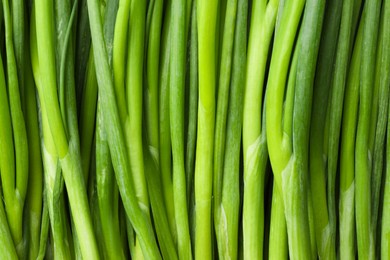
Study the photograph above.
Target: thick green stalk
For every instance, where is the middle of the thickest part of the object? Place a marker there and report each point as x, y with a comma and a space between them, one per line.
347, 159
221, 118
176, 109
254, 137
326, 246
230, 190
363, 166
207, 23
116, 139
15, 188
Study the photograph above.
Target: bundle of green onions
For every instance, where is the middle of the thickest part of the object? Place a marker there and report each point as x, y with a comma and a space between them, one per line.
195, 129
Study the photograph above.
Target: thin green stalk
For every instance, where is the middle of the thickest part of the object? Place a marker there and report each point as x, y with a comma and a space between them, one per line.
347, 159
15, 185
164, 121
116, 138
134, 83
35, 184
336, 101
365, 236
254, 134
88, 114
192, 89
385, 79
6, 157
221, 118
207, 23
107, 194
152, 79
382, 80
176, 110
230, 190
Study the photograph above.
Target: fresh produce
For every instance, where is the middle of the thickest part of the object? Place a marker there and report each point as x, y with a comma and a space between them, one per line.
194, 129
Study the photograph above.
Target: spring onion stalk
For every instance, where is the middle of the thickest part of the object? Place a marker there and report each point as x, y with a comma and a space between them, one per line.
336, 101
116, 138
385, 79
34, 199
87, 114
152, 80
15, 175
164, 121
291, 168
279, 143
254, 135
347, 159
66, 151
230, 190
192, 118
278, 248
220, 125
82, 51
308, 47
107, 194
207, 23
176, 109
7, 245
54, 198
325, 244
382, 82
365, 236
164, 236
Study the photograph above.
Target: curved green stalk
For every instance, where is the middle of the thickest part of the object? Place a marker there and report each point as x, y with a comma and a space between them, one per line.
365, 236
254, 137
347, 159
50, 162
176, 109
15, 184
325, 244
207, 19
